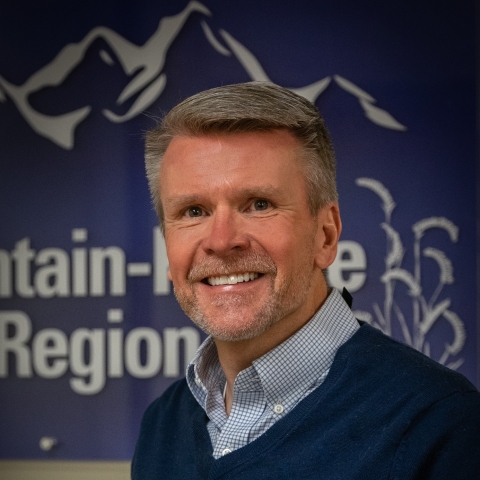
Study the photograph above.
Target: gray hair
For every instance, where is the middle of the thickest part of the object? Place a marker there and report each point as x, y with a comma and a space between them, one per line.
249, 107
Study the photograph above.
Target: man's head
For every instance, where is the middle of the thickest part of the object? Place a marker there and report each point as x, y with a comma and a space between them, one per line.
247, 229
249, 107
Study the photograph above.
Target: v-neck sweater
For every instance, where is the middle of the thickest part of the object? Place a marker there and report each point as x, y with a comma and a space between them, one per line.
384, 411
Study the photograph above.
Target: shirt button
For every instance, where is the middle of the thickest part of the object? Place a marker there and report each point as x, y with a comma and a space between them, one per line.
278, 408
197, 381
225, 451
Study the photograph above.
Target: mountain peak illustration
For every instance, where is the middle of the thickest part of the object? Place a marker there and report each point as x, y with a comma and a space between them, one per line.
144, 65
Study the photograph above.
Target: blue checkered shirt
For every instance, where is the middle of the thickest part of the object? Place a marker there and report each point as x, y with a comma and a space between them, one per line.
275, 383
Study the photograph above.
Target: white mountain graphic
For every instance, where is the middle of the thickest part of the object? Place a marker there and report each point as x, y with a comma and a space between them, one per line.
144, 63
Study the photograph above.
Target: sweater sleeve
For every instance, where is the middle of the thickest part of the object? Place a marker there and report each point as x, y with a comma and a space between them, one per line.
443, 442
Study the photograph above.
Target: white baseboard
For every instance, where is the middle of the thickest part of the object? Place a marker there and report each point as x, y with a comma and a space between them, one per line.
63, 470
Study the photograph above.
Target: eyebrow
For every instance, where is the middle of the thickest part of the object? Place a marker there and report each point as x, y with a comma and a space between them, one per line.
178, 201
181, 200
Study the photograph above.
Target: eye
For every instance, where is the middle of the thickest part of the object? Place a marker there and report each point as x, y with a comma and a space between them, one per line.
194, 212
260, 204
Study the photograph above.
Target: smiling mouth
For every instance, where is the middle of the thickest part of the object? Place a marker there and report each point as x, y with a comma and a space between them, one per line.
232, 279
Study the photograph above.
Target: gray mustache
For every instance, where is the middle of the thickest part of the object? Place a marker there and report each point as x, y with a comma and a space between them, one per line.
215, 266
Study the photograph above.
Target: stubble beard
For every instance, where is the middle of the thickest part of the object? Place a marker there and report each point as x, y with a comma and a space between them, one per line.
289, 294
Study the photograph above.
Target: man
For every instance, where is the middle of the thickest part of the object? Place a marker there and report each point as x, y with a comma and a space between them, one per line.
287, 385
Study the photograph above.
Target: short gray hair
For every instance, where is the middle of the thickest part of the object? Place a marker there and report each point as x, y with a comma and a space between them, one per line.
249, 107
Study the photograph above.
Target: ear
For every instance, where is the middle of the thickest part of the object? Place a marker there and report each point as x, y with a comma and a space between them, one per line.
328, 233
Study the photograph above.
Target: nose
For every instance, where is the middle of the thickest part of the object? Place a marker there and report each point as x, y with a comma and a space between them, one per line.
226, 234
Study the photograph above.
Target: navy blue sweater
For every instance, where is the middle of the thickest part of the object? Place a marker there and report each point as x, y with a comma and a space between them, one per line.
384, 411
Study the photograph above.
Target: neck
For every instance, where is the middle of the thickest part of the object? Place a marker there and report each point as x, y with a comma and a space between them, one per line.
235, 356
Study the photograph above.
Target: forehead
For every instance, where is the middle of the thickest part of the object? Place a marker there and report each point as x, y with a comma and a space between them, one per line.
244, 157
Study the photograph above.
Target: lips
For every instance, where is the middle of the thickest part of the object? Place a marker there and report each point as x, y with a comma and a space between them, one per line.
232, 279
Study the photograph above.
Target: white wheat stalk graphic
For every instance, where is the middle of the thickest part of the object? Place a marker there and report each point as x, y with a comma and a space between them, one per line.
422, 226
395, 255
419, 230
425, 314
446, 270
375, 186
394, 249
458, 339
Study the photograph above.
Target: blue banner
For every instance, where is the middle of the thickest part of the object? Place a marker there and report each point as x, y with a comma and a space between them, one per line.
90, 332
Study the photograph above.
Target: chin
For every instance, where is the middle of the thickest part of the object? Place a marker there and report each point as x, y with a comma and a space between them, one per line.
242, 315
232, 326
230, 317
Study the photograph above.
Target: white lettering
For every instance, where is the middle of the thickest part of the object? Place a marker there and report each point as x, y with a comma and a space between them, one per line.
115, 353
16, 343
87, 343
96, 271
5, 274
172, 337
161, 283
153, 352
351, 260
92, 355
23, 254
79, 272
52, 279
50, 344
116, 260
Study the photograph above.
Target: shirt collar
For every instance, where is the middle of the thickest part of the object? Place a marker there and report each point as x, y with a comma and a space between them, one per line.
290, 369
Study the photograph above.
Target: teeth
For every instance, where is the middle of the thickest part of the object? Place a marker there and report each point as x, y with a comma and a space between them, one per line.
232, 279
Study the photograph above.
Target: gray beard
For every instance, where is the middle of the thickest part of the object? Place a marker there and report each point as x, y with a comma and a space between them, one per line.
268, 315
289, 296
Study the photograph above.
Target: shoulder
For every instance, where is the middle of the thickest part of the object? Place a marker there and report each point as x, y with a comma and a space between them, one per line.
429, 413
384, 359
372, 369
443, 441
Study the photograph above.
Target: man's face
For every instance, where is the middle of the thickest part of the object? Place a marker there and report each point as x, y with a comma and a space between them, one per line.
243, 248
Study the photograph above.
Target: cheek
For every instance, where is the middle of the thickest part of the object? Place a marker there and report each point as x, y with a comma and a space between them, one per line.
292, 252
282, 249
178, 259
